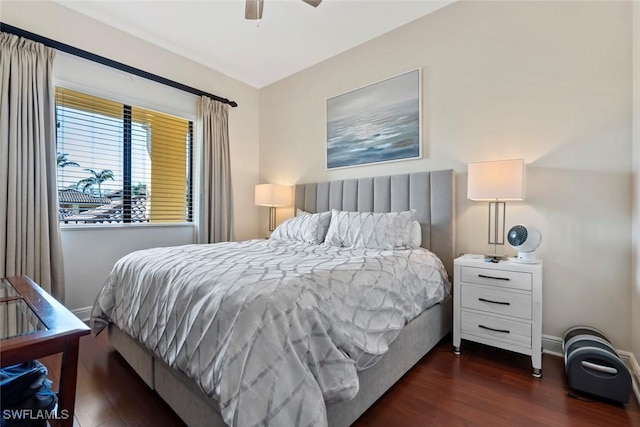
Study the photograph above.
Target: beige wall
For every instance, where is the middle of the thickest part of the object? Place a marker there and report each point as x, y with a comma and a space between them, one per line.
86, 267
549, 82
635, 289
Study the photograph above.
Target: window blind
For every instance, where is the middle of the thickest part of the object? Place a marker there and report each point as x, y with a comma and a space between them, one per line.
119, 163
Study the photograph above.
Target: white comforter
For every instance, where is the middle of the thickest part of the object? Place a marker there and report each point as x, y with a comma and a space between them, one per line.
270, 329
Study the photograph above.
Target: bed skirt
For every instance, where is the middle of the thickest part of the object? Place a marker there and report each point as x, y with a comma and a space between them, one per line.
197, 410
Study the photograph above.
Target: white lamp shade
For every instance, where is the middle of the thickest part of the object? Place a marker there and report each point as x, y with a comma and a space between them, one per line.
273, 195
498, 180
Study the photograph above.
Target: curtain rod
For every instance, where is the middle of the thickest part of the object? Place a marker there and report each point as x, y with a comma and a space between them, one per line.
108, 62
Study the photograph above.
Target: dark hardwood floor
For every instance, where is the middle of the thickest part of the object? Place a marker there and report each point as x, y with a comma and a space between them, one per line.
481, 387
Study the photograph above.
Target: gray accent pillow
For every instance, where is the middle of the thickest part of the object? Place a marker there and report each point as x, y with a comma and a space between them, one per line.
310, 228
389, 230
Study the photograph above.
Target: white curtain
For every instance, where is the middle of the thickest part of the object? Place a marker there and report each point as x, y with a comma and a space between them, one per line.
29, 229
216, 206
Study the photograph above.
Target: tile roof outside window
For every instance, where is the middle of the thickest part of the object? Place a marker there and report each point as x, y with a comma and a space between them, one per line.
75, 196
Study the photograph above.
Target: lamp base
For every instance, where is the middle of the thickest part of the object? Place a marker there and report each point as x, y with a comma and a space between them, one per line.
272, 218
497, 222
494, 258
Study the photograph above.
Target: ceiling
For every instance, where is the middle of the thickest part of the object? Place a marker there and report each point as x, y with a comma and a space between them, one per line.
290, 37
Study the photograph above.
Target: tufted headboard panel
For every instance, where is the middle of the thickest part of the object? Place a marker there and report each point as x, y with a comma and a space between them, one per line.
430, 193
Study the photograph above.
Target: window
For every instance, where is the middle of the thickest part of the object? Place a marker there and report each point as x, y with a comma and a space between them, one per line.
120, 163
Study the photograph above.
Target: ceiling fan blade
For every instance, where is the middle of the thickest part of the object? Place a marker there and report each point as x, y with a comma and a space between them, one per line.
253, 9
313, 3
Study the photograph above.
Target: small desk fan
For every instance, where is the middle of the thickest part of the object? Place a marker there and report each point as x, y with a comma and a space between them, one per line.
525, 240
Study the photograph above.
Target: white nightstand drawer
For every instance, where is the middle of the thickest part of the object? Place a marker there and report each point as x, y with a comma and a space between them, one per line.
496, 301
505, 278
496, 329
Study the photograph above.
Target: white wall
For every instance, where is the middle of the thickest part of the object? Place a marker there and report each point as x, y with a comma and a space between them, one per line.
89, 255
549, 82
635, 288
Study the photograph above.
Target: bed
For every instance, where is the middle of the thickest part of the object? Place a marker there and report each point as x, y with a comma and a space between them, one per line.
190, 394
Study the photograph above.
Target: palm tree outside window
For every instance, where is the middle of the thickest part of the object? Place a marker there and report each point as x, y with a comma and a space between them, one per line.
96, 179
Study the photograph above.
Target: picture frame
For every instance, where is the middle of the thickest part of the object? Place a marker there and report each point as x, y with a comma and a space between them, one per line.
377, 123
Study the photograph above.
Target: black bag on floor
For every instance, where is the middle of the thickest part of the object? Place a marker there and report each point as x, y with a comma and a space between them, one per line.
27, 398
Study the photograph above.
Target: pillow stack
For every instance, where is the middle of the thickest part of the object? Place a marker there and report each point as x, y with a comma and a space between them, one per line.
390, 230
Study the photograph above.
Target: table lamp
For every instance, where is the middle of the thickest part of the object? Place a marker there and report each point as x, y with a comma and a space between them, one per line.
496, 182
272, 195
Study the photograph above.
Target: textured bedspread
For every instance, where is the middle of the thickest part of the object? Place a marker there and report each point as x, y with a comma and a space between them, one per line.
270, 329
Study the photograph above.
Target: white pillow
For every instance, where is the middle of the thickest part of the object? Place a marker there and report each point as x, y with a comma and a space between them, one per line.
389, 230
310, 228
300, 212
415, 235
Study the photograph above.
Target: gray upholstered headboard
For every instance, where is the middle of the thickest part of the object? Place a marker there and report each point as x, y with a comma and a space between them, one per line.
430, 193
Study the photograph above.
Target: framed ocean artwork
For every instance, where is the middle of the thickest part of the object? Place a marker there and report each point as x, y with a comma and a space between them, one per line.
381, 122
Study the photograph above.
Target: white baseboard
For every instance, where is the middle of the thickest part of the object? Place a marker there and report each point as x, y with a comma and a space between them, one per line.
83, 313
553, 346
635, 375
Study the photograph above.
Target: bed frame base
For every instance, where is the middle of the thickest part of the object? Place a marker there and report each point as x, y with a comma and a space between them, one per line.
196, 409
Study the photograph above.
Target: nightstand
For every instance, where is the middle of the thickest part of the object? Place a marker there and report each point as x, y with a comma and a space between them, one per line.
499, 304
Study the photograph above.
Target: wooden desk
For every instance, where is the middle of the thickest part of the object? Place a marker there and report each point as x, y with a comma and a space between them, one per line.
59, 332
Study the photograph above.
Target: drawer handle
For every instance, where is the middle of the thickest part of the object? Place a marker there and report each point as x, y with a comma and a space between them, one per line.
504, 331
494, 302
492, 277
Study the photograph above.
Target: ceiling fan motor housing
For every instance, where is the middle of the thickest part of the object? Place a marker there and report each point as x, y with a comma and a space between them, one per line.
253, 8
